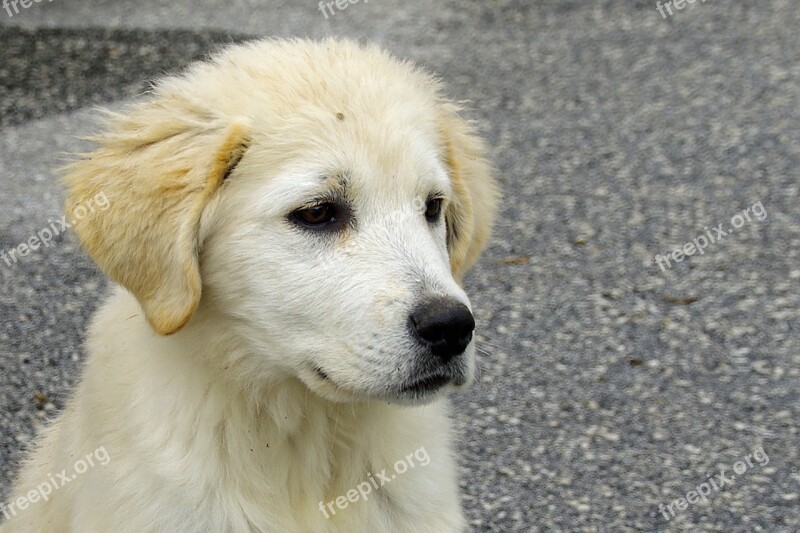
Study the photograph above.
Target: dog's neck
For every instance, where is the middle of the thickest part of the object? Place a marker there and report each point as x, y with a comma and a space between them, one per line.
258, 429
272, 446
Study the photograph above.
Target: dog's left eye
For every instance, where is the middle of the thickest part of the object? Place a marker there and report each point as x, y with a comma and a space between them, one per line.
317, 216
433, 209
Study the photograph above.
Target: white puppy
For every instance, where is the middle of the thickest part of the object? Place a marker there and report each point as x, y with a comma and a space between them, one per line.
290, 222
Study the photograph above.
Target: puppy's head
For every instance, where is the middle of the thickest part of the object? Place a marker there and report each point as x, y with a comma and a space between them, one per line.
317, 202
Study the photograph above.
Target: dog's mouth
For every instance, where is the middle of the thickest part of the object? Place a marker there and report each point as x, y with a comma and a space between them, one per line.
420, 387
426, 385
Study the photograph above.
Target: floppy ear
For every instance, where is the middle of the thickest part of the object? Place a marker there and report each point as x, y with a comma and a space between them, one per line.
158, 164
470, 214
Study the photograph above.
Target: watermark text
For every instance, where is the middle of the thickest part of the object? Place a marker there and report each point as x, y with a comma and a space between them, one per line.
43, 491
363, 490
717, 482
699, 244
44, 237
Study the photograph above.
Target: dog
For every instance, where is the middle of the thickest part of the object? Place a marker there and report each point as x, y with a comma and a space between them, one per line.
288, 228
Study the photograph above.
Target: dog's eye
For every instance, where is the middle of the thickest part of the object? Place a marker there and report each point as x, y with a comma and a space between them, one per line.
433, 209
316, 215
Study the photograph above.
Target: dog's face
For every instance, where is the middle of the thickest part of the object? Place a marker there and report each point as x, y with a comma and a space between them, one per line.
329, 231
335, 260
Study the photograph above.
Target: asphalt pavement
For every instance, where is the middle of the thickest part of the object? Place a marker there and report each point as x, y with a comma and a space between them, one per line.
612, 382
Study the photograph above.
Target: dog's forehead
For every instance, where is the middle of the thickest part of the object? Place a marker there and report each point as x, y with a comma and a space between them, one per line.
359, 114
359, 181
361, 157
410, 164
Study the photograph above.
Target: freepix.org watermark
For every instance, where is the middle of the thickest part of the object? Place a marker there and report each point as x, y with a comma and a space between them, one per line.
340, 5
43, 491
363, 490
45, 236
717, 482
679, 5
699, 244
16, 4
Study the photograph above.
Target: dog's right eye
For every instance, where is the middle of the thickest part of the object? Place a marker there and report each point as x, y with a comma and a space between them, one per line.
317, 216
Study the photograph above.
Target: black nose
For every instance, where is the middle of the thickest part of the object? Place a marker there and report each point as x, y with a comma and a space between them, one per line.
444, 325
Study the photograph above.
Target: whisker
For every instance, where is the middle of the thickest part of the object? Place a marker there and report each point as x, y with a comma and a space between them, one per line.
489, 344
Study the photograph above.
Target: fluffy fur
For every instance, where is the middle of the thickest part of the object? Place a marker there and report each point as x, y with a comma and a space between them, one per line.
246, 369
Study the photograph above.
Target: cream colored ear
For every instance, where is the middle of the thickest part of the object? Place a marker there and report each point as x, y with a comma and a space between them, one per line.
471, 212
158, 166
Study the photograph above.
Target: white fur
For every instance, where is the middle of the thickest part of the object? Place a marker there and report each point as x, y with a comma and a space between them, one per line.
226, 425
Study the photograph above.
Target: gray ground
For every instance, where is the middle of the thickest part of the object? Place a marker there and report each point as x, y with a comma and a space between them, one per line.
608, 386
